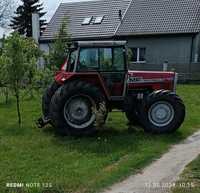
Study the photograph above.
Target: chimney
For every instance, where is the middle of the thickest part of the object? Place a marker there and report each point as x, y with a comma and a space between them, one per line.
36, 26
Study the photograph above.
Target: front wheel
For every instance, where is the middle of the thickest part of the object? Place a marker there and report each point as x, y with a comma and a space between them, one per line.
162, 112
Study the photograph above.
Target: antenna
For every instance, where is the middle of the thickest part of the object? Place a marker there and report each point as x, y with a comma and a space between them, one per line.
120, 14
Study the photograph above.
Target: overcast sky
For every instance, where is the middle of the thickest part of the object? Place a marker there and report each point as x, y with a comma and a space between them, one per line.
51, 6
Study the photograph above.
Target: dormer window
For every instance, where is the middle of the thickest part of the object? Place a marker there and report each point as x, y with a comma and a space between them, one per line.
87, 21
99, 20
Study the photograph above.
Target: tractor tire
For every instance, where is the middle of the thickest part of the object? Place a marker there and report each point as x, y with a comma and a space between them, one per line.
162, 112
46, 99
131, 111
72, 108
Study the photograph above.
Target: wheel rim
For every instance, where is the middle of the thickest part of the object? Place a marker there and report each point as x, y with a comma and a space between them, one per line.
78, 111
161, 113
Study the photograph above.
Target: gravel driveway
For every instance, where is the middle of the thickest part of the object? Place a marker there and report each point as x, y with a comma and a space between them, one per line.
161, 175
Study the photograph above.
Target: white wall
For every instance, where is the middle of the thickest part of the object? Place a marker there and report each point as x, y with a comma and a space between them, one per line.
44, 47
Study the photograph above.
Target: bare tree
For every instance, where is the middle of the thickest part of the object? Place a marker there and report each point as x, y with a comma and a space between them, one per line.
6, 11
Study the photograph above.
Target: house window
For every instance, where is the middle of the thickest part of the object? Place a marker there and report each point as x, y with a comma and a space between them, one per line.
138, 55
87, 21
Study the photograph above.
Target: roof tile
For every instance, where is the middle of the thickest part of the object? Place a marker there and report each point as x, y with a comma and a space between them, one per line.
139, 17
76, 12
161, 16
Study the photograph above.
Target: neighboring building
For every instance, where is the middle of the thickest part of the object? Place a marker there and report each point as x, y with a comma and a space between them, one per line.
157, 31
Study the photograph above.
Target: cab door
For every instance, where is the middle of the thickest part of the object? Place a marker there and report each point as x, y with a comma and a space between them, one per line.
113, 69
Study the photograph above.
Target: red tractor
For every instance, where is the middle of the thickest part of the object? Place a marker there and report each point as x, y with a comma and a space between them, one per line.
96, 72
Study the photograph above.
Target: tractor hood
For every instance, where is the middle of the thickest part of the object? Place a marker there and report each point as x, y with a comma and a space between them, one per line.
151, 75
152, 79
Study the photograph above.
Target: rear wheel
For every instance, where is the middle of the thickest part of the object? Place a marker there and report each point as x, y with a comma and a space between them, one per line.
163, 112
72, 108
78, 111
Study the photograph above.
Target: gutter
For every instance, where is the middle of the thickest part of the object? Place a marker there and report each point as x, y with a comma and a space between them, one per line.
50, 40
153, 33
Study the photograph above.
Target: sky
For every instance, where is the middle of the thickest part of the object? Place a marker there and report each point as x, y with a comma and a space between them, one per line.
51, 6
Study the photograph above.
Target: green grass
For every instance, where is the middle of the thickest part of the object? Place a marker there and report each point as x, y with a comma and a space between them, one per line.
190, 179
31, 155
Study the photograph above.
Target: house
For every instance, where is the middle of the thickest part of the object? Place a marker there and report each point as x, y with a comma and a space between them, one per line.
157, 31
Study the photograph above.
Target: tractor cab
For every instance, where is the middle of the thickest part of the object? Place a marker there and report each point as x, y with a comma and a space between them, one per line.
107, 58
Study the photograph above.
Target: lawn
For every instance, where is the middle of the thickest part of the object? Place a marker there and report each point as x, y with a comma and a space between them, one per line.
30, 155
190, 179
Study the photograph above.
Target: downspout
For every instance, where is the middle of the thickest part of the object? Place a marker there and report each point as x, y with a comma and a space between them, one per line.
191, 54
195, 50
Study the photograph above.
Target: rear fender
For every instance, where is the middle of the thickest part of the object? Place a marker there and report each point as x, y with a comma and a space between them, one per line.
92, 78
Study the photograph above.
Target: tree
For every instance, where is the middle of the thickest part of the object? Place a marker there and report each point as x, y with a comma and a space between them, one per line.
53, 60
22, 22
60, 48
6, 10
3, 86
19, 58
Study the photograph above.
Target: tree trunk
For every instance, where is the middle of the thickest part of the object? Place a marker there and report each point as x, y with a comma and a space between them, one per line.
18, 107
31, 85
6, 95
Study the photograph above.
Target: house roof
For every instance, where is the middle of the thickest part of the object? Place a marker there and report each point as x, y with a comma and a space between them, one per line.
161, 16
138, 17
78, 11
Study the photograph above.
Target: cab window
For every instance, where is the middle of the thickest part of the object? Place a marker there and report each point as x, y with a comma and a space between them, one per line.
88, 59
106, 59
118, 59
112, 59
72, 59
101, 59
